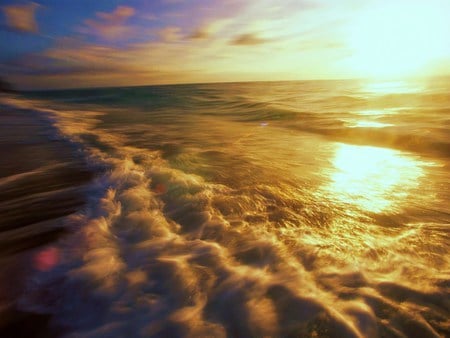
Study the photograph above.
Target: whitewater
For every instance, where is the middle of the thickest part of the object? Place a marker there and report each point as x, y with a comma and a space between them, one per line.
266, 209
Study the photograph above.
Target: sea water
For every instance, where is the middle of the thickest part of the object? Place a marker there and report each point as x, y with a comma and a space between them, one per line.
306, 209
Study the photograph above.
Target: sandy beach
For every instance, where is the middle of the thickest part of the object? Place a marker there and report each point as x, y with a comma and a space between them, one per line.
41, 182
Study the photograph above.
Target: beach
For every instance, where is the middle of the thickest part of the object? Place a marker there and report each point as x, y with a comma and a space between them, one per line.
41, 182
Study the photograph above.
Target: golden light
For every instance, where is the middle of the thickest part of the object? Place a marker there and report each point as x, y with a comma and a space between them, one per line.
376, 112
399, 38
371, 178
370, 124
393, 87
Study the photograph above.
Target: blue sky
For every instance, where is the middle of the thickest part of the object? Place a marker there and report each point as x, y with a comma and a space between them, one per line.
83, 43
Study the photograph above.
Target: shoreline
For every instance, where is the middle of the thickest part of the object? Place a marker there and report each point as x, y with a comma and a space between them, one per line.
42, 180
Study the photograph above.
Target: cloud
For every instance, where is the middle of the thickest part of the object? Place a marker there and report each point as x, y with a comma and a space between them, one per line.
282, 46
170, 34
76, 63
21, 17
248, 40
199, 34
110, 26
210, 29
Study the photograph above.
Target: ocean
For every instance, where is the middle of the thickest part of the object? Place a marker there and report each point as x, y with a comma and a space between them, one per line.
259, 209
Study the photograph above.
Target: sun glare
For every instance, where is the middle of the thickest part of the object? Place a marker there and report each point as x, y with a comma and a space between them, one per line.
393, 87
371, 178
370, 124
398, 38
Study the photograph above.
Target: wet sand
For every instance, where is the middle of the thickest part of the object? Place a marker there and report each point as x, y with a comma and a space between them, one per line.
42, 180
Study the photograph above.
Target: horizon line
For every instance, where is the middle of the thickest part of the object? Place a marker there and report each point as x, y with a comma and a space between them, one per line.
416, 78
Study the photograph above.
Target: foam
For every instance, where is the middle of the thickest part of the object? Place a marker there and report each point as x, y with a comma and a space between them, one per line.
160, 252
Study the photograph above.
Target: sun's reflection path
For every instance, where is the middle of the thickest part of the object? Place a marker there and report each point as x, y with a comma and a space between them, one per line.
392, 87
377, 112
370, 124
372, 179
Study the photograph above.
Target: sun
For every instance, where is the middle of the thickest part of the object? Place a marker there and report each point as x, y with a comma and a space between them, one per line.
398, 38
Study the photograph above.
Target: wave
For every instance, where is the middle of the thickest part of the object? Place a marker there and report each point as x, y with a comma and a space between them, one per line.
430, 142
162, 252
417, 130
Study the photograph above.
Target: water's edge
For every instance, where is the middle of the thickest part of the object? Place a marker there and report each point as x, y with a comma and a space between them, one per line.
43, 180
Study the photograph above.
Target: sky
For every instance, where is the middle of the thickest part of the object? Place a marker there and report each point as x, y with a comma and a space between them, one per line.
96, 43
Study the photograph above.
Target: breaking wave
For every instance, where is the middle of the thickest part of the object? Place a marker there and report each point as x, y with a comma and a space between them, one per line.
246, 252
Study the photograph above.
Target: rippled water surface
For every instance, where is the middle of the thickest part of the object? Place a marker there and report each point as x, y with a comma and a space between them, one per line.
303, 209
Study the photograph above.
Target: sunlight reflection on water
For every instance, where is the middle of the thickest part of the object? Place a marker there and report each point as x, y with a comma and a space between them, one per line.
393, 87
371, 178
370, 124
377, 112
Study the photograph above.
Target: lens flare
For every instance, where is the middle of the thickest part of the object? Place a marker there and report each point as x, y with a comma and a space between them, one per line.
46, 259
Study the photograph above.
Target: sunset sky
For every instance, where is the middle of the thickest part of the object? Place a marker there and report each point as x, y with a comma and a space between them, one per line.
85, 43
